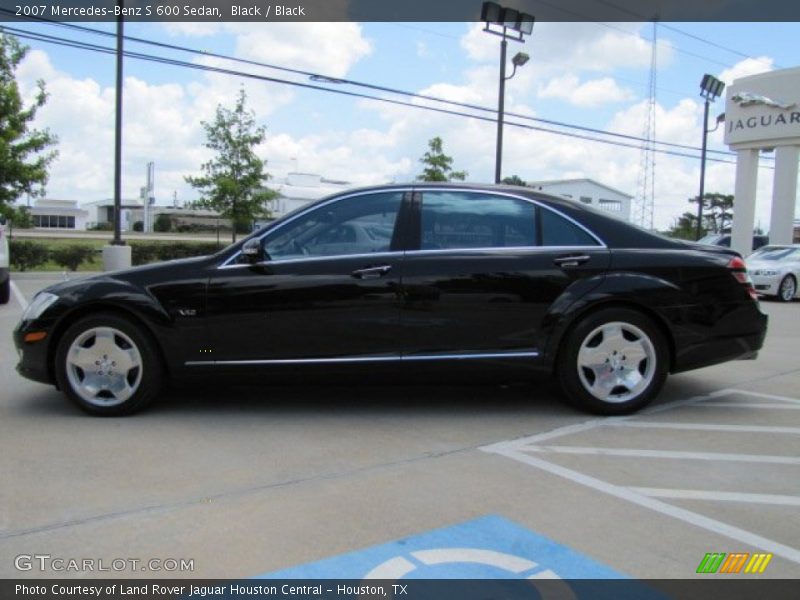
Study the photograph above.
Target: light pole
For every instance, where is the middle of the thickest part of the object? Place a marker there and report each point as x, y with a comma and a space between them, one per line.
710, 89
509, 24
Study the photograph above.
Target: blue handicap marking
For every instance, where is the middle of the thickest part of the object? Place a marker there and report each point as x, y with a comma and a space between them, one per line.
489, 547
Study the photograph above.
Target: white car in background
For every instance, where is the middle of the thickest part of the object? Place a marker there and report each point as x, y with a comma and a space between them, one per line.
5, 281
775, 271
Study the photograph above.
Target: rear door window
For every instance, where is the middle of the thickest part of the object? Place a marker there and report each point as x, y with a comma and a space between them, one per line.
463, 220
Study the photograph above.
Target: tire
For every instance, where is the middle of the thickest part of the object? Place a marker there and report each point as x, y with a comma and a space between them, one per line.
613, 362
5, 291
108, 365
787, 289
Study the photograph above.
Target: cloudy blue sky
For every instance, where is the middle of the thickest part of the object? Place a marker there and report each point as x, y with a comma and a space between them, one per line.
588, 74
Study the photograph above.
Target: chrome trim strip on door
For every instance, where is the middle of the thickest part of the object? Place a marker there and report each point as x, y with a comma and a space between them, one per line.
360, 359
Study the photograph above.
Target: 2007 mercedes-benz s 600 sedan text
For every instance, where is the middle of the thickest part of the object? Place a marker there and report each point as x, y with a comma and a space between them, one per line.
415, 278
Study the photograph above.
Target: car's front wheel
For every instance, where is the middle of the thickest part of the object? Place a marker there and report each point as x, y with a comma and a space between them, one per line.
5, 291
787, 289
107, 365
613, 362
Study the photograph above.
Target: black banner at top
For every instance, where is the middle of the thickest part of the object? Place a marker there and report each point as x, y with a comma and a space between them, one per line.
396, 10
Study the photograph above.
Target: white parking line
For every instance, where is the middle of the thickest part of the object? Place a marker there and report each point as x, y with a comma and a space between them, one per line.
646, 497
671, 454
18, 295
687, 516
708, 427
597, 422
749, 405
769, 396
719, 496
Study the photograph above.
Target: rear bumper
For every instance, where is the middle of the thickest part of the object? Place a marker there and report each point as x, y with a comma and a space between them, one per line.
721, 349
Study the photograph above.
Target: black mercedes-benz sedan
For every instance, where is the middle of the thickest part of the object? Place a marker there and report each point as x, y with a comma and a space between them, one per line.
405, 278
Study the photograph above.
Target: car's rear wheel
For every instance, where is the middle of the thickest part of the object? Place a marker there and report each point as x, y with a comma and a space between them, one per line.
614, 362
787, 289
108, 366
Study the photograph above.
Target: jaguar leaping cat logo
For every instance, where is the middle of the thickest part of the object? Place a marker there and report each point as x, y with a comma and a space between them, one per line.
750, 99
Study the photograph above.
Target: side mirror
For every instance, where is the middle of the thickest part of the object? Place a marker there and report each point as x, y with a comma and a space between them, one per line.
251, 250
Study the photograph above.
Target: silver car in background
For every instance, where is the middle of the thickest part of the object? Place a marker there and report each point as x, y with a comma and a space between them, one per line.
775, 271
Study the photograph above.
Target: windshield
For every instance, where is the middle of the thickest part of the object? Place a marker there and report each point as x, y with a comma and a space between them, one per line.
777, 253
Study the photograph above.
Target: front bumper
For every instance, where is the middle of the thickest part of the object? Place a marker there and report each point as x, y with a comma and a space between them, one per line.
33, 356
766, 285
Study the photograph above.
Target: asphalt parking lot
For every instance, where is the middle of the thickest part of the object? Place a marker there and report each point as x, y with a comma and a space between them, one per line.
252, 481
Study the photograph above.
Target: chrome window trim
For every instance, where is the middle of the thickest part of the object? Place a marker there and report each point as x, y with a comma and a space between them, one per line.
399, 253
284, 261
503, 249
282, 224
361, 359
423, 189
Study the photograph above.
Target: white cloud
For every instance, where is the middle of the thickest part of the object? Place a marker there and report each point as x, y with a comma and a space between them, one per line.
748, 66
328, 48
588, 46
586, 94
162, 122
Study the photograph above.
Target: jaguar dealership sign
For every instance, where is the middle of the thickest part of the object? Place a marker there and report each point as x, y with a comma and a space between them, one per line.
763, 109
762, 112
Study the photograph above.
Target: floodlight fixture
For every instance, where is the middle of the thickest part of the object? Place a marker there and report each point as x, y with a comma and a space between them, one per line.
711, 88
506, 22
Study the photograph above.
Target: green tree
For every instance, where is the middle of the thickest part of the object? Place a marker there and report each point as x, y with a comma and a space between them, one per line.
717, 211
233, 181
514, 180
24, 154
684, 227
163, 223
438, 166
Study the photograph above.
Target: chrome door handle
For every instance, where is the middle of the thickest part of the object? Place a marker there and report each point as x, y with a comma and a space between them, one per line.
573, 260
371, 272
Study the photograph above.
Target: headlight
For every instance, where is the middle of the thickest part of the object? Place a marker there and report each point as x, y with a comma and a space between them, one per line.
41, 303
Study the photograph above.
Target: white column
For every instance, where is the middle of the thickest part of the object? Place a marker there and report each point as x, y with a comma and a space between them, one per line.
744, 208
783, 195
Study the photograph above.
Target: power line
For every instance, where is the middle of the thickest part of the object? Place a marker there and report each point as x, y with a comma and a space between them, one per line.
45, 38
323, 78
639, 17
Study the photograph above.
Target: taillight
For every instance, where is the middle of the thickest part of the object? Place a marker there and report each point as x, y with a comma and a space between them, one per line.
738, 269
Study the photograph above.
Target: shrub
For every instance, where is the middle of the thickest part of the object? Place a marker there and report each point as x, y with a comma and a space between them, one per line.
101, 227
163, 223
26, 254
72, 256
144, 252
138, 226
147, 252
